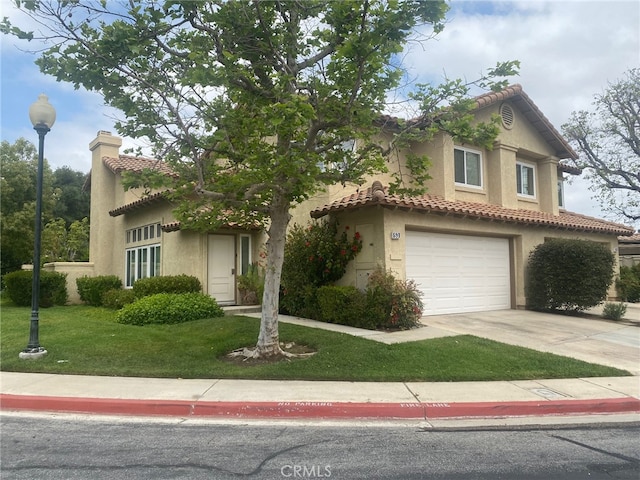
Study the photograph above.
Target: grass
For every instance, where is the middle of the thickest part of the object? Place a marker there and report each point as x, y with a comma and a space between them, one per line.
87, 340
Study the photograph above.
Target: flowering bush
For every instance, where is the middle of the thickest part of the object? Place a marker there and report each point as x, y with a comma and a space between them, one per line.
393, 303
314, 256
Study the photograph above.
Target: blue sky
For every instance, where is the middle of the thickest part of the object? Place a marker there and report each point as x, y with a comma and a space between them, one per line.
569, 51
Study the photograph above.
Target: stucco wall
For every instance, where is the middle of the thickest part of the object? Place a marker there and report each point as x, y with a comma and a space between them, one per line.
73, 270
389, 253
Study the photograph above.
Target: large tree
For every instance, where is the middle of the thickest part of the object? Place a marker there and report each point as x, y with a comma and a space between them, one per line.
18, 167
608, 142
252, 102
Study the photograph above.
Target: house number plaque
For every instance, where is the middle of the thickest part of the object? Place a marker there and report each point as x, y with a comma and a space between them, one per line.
395, 235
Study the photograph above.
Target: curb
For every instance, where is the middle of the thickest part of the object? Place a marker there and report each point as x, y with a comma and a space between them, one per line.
317, 410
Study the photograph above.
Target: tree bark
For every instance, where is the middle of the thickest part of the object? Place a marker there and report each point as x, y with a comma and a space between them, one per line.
268, 340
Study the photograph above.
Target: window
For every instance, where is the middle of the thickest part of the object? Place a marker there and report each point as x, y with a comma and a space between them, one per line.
140, 234
142, 262
245, 253
560, 192
525, 179
468, 167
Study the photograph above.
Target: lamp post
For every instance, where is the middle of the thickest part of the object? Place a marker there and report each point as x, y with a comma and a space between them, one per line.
42, 116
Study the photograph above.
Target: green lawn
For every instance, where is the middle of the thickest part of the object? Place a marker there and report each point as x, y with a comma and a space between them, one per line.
86, 340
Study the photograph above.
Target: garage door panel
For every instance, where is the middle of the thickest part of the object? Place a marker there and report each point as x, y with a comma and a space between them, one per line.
458, 273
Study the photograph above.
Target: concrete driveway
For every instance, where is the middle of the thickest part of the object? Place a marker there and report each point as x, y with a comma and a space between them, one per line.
591, 339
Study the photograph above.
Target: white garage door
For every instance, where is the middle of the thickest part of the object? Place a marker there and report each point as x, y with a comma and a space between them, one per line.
458, 273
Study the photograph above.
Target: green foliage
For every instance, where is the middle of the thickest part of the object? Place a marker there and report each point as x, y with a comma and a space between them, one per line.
276, 88
388, 303
63, 239
118, 298
167, 284
567, 274
315, 255
62, 244
251, 285
614, 311
53, 288
628, 284
343, 305
92, 289
166, 308
19, 166
393, 303
72, 201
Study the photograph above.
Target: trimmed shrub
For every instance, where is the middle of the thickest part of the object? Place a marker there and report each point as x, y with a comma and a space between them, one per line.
566, 274
614, 311
92, 289
343, 305
53, 288
168, 284
118, 298
168, 308
393, 303
628, 285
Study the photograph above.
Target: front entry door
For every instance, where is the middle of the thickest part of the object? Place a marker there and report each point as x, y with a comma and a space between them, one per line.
221, 268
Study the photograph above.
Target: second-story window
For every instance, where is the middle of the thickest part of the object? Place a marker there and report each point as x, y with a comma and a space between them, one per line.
468, 167
560, 192
525, 179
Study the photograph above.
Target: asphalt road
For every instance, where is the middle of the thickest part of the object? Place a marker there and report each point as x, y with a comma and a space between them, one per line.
65, 447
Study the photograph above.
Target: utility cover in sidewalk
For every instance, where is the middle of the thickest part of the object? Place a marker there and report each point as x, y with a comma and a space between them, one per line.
548, 393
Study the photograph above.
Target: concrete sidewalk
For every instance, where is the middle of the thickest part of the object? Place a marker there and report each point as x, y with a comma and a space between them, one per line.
611, 343
267, 399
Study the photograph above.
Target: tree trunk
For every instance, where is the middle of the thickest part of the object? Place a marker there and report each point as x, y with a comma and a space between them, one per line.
268, 339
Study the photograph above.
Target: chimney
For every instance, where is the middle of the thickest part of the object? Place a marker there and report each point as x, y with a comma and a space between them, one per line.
103, 199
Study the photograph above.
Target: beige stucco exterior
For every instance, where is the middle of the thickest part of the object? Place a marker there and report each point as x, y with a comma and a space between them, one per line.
186, 252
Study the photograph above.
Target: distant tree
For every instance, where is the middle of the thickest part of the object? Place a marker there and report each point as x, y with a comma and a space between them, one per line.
608, 141
62, 197
253, 102
18, 169
72, 203
65, 244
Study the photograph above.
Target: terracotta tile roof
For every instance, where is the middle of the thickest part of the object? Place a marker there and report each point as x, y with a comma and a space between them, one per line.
142, 202
130, 163
523, 102
532, 113
635, 238
378, 195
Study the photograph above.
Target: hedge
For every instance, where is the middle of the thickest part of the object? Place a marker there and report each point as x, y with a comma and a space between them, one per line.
166, 308
568, 274
92, 289
53, 288
167, 284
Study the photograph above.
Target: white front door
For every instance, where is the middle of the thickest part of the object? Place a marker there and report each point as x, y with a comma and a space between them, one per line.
222, 268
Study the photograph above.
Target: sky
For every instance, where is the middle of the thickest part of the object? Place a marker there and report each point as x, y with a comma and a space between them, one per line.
569, 51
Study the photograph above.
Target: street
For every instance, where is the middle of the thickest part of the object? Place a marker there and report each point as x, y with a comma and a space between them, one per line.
82, 447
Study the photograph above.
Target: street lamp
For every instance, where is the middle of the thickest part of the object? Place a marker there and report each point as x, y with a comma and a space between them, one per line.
42, 116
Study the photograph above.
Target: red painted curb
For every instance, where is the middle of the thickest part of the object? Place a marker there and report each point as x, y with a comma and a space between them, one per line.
318, 410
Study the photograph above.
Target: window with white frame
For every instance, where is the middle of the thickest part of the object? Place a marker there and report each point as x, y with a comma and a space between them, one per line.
525, 179
560, 192
468, 167
141, 262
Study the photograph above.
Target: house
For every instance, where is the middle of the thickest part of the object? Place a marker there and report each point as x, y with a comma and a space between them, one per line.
466, 242
629, 250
